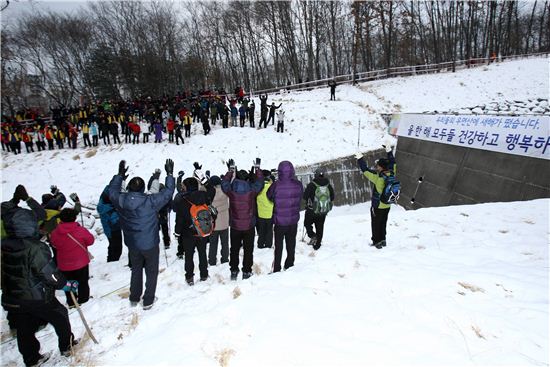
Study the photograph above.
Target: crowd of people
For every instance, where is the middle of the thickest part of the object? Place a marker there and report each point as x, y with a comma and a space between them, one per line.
135, 121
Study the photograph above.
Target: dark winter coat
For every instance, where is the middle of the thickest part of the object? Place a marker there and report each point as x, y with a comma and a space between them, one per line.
286, 194
28, 274
242, 200
139, 212
182, 205
309, 193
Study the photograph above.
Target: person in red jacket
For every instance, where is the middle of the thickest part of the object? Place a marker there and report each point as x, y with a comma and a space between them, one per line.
170, 128
71, 241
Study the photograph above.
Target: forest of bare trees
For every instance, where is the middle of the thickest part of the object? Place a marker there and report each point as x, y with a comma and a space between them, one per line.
124, 49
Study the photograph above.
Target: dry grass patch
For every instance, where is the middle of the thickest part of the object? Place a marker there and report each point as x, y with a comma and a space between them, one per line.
477, 330
76, 157
471, 287
90, 153
237, 292
256, 269
223, 356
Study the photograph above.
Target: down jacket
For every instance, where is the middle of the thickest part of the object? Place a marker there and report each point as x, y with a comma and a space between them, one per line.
286, 194
221, 203
242, 200
139, 213
71, 255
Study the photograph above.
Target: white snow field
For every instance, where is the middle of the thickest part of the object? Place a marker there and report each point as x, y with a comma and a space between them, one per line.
462, 285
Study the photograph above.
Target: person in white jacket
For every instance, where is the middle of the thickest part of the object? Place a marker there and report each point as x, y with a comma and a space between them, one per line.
144, 127
221, 231
281, 121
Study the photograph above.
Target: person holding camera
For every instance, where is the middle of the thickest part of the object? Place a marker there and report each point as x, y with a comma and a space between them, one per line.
139, 222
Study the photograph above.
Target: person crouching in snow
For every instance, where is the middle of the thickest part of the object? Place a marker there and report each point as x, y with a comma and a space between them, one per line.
281, 121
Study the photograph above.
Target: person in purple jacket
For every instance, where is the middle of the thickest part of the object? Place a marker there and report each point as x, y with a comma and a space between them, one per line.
158, 131
242, 191
286, 195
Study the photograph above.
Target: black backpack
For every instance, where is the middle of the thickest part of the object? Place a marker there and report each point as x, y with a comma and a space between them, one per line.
392, 189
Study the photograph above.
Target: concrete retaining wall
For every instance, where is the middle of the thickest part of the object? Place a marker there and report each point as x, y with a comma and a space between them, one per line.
455, 175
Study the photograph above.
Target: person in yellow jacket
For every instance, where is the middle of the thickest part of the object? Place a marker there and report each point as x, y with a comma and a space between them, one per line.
264, 224
379, 210
187, 124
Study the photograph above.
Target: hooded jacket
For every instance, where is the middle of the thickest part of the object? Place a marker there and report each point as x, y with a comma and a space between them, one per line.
242, 200
221, 203
377, 179
139, 212
309, 193
70, 255
286, 194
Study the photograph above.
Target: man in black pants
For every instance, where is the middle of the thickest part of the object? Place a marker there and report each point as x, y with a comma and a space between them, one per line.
379, 210
139, 222
332, 85
319, 196
271, 117
29, 280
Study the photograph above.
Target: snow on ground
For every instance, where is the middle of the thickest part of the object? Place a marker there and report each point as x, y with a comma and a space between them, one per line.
464, 285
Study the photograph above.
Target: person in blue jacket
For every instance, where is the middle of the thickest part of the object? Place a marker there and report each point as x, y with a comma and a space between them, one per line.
139, 222
111, 225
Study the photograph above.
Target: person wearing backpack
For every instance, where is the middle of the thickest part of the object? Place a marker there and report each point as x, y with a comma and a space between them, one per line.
286, 195
264, 223
318, 196
384, 169
242, 219
73, 258
194, 222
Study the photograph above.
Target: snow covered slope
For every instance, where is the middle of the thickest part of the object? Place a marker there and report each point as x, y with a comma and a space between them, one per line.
465, 285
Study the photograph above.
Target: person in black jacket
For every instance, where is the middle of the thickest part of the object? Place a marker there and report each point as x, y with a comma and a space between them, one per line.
30, 278
316, 212
188, 239
271, 117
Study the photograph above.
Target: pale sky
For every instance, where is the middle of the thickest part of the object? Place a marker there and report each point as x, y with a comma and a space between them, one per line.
18, 8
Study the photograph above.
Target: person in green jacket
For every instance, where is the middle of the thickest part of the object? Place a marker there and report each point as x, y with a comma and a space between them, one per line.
379, 210
264, 224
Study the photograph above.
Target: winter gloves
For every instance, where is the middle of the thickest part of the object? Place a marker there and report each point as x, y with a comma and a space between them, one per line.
358, 155
74, 197
20, 193
169, 167
122, 169
71, 286
231, 164
180, 174
257, 163
156, 174
388, 148
54, 190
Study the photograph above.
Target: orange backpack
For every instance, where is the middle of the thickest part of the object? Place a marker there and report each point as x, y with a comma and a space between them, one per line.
202, 219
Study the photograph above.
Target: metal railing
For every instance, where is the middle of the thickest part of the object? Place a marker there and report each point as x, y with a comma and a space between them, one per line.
395, 72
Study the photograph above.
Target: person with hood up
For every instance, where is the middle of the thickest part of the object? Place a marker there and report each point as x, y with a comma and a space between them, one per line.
71, 241
319, 196
29, 280
286, 195
188, 238
242, 219
139, 222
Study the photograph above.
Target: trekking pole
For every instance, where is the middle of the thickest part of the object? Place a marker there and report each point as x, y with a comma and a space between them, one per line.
420, 179
358, 134
88, 330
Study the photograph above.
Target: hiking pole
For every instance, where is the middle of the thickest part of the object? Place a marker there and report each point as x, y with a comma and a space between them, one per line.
420, 179
88, 330
358, 134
